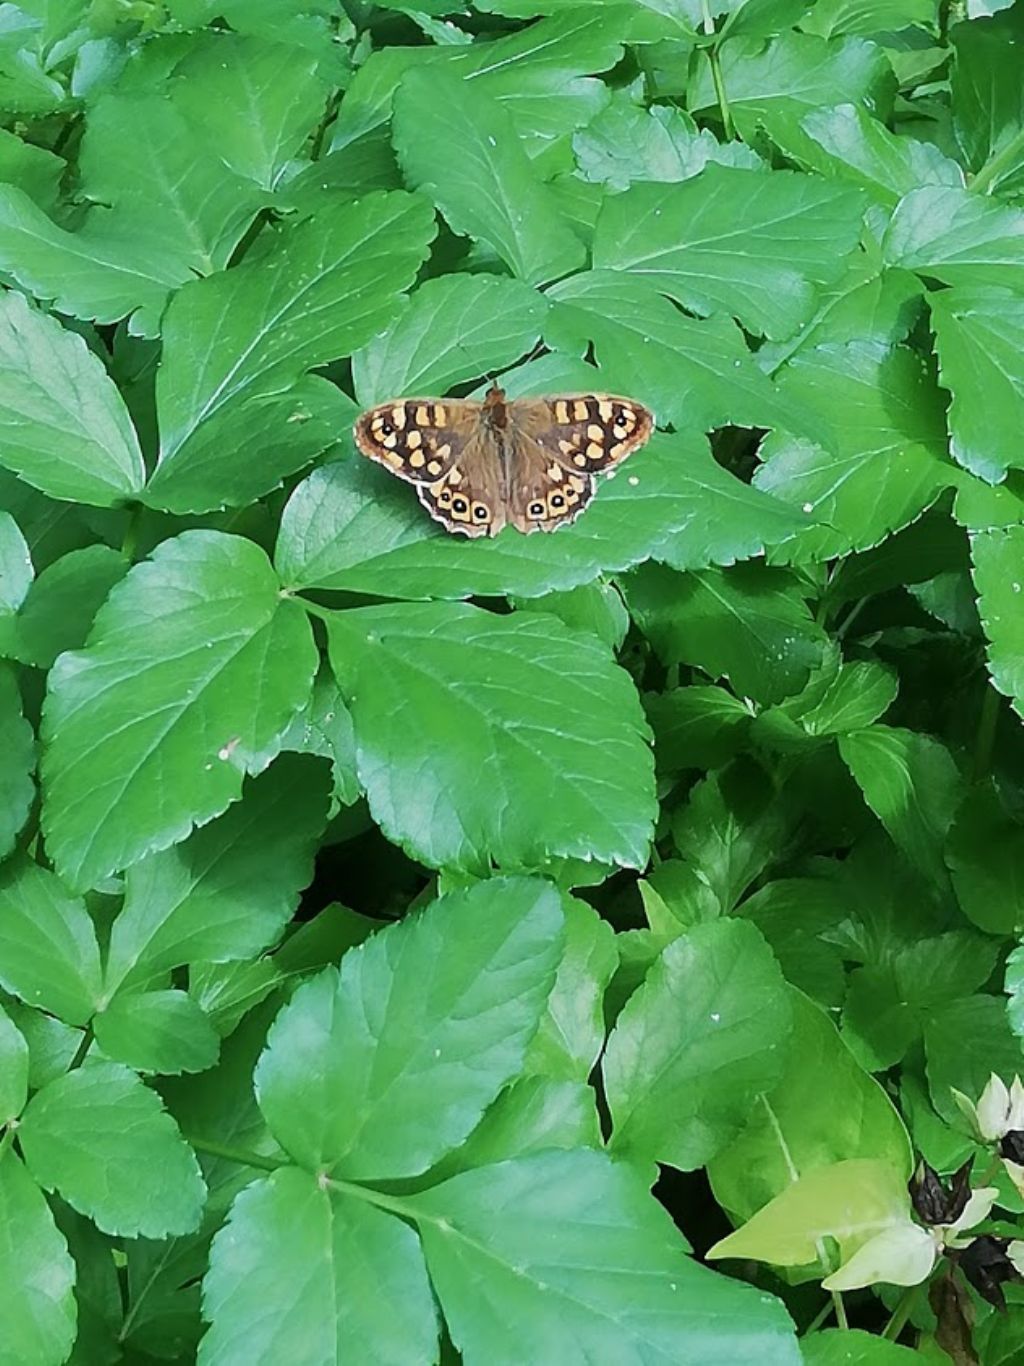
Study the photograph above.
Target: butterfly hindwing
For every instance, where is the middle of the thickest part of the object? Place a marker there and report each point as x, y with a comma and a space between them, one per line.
468, 500
587, 433
543, 494
419, 439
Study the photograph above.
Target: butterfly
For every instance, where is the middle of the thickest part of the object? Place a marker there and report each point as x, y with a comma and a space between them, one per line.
525, 462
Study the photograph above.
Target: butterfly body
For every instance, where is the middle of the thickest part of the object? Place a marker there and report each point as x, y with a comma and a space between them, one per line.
479, 466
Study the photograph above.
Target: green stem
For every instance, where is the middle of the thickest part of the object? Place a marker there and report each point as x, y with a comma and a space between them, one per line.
314, 609
820, 1317
728, 127
242, 1156
6, 1141
985, 738
902, 1312
840, 1308
84, 1045
988, 177
851, 617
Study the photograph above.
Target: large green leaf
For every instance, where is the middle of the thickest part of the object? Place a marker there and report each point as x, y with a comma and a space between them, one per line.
744, 242
230, 888
441, 695
59, 609
37, 1271
48, 950
985, 856
157, 1031
489, 191
387, 1095
192, 672
16, 572
980, 337
63, 425
988, 99
958, 237
881, 418
825, 1109
999, 578
571, 1249
449, 331
349, 525
690, 372
98, 1120
18, 747
236, 408
695, 1045
13, 1069
748, 624
308, 1274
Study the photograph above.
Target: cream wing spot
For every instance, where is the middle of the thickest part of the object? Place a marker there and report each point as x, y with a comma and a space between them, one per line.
605, 410
580, 411
398, 416
422, 415
414, 440
440, 415
417, 459
567, 447
595, 450
595, 433
561, 411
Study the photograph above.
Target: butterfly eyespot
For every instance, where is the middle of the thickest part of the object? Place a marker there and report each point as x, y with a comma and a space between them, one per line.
620, 423
536, 509
460, 505
386, 428
558, 501
480, 512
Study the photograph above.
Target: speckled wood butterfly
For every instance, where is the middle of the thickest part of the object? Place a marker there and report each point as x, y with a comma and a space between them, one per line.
526, 461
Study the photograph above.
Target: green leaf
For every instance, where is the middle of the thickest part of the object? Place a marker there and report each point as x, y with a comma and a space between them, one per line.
859, 694
595, 607
626, 142
18, 747
350, 526
532, 1115
52, 1045
980, 333
691, 372
733, 240
253, 100
957, 237
228, 891
696, 727
881, 416
48, 951
987, 101
571, 1033
157, 1031
798, 917
849, 1201
441, 693
695, 1045
965, 1042
15, 567
301, 1272
852, 145
32, 169
490, 191
349, 1093
913, 786
825, 1109
448, 332
854, 1347
748, 624
13, 1069
236, 408
999, 577
61, 604
98, 1120
38, 1274
192, 672
831, 18
985, 856
324, 727
518, 1243
63, 426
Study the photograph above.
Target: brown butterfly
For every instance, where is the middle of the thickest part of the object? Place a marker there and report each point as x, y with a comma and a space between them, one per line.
526, 461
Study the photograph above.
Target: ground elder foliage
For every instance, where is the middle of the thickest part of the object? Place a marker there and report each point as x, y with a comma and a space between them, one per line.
596, 947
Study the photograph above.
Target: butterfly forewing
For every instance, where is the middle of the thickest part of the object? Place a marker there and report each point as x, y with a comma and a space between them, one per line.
529, 461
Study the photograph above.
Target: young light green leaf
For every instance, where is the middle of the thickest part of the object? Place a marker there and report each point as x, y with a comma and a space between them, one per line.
887, 462
690, 372
192, 672
999, 578
351, 526
957, 237
98, 1120
825, 1109
37, 1272
388, 1096
490, 191
913, 786
449, 331
751, 243
18, 748
235, 422
64, 427
157, 1031
572, 1249
13, 1069
229, 889
440, 693
626, 142
748, 624
48, 950
301, 1273
695, 1045
980, 336
61, 604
